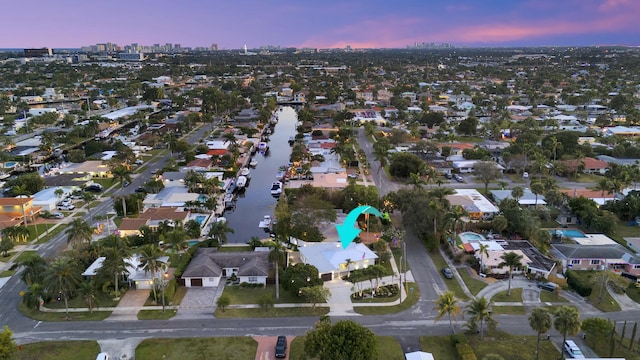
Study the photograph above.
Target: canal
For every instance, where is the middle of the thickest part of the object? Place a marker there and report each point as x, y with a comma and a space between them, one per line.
256, 201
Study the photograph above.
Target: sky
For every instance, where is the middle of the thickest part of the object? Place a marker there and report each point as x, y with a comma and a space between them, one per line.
319, 24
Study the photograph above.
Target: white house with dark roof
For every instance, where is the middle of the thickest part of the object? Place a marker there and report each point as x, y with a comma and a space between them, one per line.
331, 259
208, 267
597, 257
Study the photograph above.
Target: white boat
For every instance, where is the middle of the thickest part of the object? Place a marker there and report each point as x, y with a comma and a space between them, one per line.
246, 173
276, 188
265, 223
253, 163
241, 182
228, 201
263, 146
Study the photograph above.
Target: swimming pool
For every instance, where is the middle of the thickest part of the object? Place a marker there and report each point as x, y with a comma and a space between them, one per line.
200, 219
570, 233
10, 164
193, 242
471, 236
202, 198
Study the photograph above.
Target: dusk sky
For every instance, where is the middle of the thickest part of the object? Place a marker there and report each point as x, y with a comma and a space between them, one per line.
319, 24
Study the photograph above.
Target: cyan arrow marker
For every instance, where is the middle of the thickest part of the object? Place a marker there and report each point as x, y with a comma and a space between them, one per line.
347, 231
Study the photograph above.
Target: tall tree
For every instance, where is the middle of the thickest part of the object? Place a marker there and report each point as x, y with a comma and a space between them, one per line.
34, 267
540, 321
517, 192
218, 230
345, 339
150, 255
116, 262
567, 321
89, 294
483, 250
8, 346
447, 304
122, 175
63, 277
510, 259
278, 255
79, 231
486, 171
480, 311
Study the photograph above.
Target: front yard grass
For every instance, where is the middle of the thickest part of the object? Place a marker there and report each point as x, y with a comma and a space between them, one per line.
412, 298
197, 348
156, 314
61, 316
600, 297
633, 292
441, 347
388, 348
55, 350
252, 295
512, 347
516, 296
271, 312
452, 284
102, 300
548, 296
474, 285
51, 233
509, 310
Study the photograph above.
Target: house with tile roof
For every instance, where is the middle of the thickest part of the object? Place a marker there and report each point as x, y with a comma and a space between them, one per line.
588, 165
208, 267
598, 196
613, 257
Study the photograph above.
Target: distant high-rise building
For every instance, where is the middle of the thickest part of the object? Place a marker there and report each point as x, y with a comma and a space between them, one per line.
213, 47
38, 52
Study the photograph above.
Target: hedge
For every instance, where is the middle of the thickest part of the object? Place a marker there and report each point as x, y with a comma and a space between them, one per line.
579, 285
465, 352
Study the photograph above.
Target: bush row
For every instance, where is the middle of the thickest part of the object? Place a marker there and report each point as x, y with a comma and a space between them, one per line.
579, 285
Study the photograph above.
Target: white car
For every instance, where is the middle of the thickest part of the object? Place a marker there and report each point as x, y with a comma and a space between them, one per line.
57, 215
67, 207
573, 350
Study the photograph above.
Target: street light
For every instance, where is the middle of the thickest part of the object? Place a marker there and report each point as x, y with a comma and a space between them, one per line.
165, 276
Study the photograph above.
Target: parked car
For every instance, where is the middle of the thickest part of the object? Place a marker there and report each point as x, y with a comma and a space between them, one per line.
94, 188
67, 207
549, 286
525, 175
140, 189
57, 215
458, 178
447, 273
281, 347
353, 176
448, 176
573, 350
125, 184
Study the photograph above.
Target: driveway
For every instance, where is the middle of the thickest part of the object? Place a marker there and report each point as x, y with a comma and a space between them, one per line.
266, 347
198, 302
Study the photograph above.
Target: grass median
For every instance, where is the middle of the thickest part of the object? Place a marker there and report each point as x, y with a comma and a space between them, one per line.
55, 350
197, 348
388, 349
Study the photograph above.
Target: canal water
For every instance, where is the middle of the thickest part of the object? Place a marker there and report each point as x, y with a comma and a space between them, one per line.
256, 201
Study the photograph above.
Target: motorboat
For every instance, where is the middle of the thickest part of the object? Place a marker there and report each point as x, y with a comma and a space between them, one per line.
245, 172
276, 188
265, 223
253, 163
241, 182
263, 146
229, 201
292, 140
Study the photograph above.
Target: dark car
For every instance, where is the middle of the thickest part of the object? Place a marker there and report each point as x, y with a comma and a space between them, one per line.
140, 189
447, 273
94, 188
281, 347
549, 286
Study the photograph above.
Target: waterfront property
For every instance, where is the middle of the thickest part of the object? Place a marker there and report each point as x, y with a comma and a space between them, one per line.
331, 259
208, 267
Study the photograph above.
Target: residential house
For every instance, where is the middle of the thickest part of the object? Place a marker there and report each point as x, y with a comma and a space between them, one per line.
331, 259
613, 257
198, 165
588, 166
599, 197
475, 204
13, 210
152, 217
208, 267
174, 196
528, 199
135, 275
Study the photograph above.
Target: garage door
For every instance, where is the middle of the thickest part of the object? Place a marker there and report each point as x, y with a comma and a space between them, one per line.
196, 282
327, 277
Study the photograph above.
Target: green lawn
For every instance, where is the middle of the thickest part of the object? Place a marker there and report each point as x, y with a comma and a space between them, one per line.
272, 312
388, 349
509, 310
61, 316
599, 297
156, 314
36, 230
622, 230
105, 182
441, 347
587, 178
633, 292
602, 347
452, 284
412, 299
102, 300
548, 296
474, 285
24, 255
56, 350
511, 347
51, 233
7, 273
249, 295
241, 348
516, 296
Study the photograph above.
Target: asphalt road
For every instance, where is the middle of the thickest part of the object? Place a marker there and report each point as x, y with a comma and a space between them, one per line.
406, 326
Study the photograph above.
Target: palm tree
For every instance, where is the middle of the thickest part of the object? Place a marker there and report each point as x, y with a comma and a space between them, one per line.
480, 312
510, 259
447, 304
87, 198
218, 230
455, 217
34, 268
79, 231
540, 321
176, 239
89, 294
122, 174
537, 189
116, 260
150, 255
63, 277
517, 192
21, 192
416, 180
483, 250
567, 321
278, 255
34, 296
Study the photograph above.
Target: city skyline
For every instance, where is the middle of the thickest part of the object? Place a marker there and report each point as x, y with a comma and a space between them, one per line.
330, 24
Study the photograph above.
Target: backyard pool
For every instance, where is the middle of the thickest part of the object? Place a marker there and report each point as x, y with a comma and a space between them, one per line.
570, 233
10, 164
470, 236
193, 242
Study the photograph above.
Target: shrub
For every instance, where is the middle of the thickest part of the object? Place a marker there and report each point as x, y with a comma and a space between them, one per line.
576, 283
465, 352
